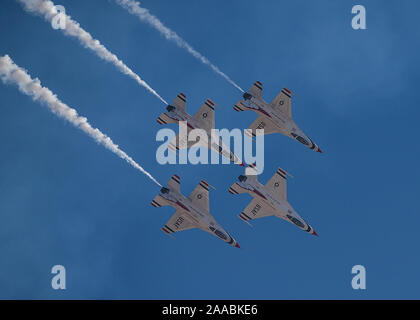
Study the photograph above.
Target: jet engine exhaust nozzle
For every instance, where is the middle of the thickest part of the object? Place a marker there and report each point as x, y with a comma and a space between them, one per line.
170, 108
164, 190
242, 178
247, 96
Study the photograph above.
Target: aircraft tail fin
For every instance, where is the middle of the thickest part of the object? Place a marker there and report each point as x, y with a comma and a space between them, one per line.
173, 184
159, 201
254, 91
165, 119
179, 103
240, 107
236, 189
251, 173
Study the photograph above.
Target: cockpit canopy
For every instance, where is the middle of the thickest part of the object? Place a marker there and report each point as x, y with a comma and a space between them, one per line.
242, 178
247, 96
220, 234
295, 221
300, 139
170, 108
164, 190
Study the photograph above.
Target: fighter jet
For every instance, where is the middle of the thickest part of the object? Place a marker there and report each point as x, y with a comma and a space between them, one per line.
274, 117
202, 119
269, 199
191, 212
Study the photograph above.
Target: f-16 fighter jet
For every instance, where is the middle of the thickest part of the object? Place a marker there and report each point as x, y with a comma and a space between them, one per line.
191, 212
202, 119
274, 117
269, 199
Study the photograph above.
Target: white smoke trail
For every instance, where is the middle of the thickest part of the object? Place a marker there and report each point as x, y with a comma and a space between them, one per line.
144, 15
11, 73
48, 10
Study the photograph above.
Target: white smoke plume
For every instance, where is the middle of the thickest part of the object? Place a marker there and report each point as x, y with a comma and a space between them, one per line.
48, 10
11, 73
144, 15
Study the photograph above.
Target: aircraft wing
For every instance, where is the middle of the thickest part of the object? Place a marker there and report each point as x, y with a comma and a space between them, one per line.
177, 223
277, 184
282, 103
206, 115
200, 196
159, 201
256, 209
256, 90
180, 101
263, 123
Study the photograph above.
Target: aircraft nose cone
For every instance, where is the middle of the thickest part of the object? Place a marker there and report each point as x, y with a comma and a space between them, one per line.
315, 234
242, 164
319, 150
237, 245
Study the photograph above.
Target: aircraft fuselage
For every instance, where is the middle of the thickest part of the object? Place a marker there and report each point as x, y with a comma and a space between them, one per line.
216, 144
284, 124
281, 208
198, 217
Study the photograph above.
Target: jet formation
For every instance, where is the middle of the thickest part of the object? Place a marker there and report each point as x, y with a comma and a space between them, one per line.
269, 199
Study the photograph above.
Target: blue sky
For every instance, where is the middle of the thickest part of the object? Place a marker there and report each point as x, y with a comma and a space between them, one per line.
66, 200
